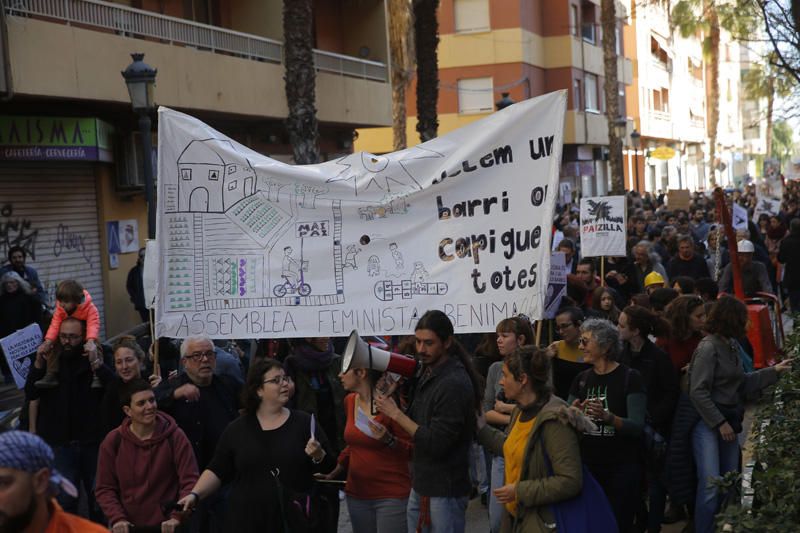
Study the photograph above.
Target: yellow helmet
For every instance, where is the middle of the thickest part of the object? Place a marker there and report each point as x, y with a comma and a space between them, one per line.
653, 278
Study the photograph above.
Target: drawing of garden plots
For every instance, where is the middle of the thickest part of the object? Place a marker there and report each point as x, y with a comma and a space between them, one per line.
235, 238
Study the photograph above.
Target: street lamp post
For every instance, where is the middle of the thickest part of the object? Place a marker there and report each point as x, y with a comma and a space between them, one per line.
140, 79
636, 142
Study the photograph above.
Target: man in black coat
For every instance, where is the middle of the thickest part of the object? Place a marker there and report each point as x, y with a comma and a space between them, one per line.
135, 286
67, 417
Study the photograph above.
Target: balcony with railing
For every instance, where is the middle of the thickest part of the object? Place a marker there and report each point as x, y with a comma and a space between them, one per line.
137, 23
75, 49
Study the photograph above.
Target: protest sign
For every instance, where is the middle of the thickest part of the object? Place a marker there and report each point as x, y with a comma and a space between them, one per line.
557, 287
603, 226
739, 218
679, 199
17, 347
766, 206
252, 247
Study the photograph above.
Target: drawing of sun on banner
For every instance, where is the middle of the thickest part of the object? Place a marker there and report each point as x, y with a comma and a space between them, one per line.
252, 247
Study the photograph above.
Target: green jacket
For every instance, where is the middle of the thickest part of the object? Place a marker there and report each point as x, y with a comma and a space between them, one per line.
557, 427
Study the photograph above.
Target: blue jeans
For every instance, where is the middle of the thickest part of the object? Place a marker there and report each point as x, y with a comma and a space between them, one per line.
496, 509
448, 515
78, 463
713, 458
477, 468
377, 516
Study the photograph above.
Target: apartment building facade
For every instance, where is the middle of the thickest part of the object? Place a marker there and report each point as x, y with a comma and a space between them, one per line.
70, 169
526, 48
668, 103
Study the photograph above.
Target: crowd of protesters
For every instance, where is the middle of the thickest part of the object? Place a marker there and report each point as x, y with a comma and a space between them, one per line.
637, 388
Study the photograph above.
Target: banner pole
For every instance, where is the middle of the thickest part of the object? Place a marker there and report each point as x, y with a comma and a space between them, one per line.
538, 332
154, 343
602, 271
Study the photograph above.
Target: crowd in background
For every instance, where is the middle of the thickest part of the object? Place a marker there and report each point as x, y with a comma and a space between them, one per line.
635, 389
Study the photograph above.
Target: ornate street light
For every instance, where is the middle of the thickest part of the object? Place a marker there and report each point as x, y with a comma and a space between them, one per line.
140, 79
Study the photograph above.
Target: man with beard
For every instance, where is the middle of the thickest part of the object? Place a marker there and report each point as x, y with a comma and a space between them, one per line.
67, 417
28, 481
203, 404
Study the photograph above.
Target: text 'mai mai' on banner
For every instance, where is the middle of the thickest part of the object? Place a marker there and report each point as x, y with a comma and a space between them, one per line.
251, 247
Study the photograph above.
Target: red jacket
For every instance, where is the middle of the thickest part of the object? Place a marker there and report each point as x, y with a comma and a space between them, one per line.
135, 477
374, 470
85, 311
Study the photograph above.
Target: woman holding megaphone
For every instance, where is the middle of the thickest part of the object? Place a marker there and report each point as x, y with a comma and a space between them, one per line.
376, 459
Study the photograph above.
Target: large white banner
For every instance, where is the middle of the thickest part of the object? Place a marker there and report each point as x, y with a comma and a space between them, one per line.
252, 247
603, 226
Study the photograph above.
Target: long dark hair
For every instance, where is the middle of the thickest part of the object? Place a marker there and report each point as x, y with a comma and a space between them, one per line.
646, 321
439, 324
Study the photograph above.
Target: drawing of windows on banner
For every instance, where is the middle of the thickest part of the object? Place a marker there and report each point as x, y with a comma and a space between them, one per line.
235, 277
260, 219
211, 178
180, 283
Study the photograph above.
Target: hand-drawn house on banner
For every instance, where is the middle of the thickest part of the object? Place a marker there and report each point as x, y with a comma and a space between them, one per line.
210, 180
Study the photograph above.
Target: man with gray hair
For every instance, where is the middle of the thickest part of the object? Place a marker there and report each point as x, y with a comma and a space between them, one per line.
645, 260
29, 481
202, 403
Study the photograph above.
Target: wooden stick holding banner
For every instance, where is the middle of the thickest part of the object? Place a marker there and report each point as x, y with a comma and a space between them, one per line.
538, 332
602, 271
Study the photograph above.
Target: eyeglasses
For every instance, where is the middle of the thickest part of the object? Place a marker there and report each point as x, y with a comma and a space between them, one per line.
69, 336
198, 356
560, 327
277, 380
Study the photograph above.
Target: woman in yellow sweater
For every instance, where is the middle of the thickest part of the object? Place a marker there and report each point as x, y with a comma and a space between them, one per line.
541, 423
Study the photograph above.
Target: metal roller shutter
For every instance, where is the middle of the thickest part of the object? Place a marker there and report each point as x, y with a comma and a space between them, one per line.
52, 212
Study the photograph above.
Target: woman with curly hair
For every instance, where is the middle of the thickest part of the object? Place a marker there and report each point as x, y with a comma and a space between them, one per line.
687, 318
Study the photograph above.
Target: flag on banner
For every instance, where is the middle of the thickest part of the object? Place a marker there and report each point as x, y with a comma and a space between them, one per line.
250, 247
603, 226
739, 220
766, 205
557, 287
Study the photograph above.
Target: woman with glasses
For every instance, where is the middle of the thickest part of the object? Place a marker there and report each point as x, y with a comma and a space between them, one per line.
567, 355
268, 456
376, 459
144, 465
613, 396
512, 333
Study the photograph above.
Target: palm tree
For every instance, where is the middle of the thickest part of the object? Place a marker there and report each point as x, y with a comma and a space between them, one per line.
401, 48
426, 40
300, 80
608, 21
689, 16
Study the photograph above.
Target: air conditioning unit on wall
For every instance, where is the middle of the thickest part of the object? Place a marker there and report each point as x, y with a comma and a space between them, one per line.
129, 163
